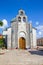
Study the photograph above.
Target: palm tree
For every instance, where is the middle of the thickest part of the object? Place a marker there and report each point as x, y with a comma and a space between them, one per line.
1, 23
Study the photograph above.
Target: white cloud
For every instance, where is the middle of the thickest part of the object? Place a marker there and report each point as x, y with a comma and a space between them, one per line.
39, 31
40, 27
39, 34
5, 24
30, 21
37, 23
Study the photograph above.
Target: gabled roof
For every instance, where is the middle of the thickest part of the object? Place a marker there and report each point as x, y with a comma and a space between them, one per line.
13, 20
34, 28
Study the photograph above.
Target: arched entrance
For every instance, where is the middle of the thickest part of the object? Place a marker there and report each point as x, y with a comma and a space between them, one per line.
22, 43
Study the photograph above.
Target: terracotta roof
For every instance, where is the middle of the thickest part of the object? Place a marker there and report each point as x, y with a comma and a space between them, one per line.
0, 34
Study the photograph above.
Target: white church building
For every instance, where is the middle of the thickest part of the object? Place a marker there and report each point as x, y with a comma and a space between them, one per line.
21, 34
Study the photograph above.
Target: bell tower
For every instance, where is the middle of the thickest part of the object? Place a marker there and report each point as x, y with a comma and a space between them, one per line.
21, 17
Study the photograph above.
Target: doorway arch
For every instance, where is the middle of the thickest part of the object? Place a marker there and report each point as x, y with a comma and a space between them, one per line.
22, 43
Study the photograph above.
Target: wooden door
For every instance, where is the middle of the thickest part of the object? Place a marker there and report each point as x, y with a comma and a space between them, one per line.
22, 43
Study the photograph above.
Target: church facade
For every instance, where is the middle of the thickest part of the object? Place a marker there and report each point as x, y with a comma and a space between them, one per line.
21, 34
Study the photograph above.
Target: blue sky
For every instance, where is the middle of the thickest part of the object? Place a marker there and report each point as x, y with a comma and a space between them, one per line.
33, 8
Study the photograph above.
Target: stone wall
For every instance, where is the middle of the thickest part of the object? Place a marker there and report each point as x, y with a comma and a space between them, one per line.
40, 42
27, 35
21, 30
14, 35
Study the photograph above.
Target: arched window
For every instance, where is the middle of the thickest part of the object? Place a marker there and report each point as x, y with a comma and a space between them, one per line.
19, 19
21, 12
24, 19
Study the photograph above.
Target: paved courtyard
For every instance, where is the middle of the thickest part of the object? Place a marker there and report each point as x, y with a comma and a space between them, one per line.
21, 57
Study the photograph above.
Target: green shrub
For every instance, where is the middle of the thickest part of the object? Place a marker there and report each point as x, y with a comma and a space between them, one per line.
1, 43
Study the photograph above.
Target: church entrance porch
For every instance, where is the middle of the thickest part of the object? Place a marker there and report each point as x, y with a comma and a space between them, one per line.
22, 43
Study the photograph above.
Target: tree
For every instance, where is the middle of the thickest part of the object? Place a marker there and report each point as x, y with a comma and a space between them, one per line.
1, 23
1, 40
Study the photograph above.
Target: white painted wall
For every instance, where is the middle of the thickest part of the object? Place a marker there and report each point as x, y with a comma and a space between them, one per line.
27, 35
34, 38
9, 38
14, 39
21, 26
21, 30
4, 33
22, 34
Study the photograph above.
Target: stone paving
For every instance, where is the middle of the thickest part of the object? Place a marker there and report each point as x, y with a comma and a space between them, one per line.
20, 57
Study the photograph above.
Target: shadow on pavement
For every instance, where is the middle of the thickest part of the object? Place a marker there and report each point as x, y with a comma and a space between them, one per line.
37, 52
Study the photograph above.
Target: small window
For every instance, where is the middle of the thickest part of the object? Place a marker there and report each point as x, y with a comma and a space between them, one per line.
24, 19
19, 19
